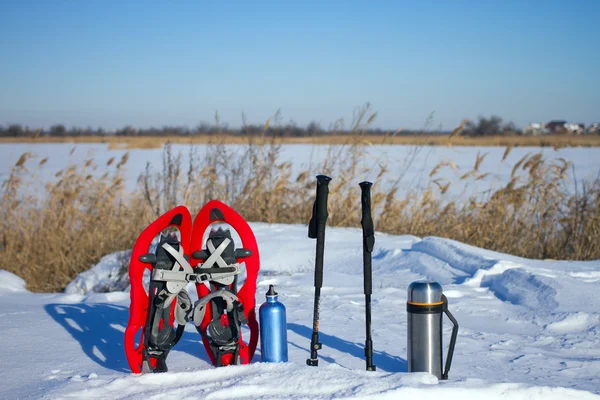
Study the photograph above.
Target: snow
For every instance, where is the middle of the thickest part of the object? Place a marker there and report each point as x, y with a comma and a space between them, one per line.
102, 277
271, 381
10, 283
398, 159
573, 323
529, 329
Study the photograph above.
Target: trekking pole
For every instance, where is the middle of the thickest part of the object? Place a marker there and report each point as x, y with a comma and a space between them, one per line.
316, 230
368, 243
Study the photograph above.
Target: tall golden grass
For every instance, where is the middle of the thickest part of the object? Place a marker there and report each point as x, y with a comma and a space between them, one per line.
146, 142
81, 216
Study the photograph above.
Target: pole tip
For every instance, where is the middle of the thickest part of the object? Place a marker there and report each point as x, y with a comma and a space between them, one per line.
365, 184
323, 179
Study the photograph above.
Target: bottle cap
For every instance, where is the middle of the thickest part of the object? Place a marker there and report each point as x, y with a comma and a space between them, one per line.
271, 291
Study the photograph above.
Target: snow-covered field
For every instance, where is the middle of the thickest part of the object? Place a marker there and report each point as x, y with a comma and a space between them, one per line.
586, 161
528, 329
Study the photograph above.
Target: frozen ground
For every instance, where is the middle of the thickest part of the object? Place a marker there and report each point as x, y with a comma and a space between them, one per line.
586, 160
528, 329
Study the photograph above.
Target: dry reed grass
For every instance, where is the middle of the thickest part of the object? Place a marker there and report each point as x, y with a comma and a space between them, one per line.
145, 142
83, 216
80, 218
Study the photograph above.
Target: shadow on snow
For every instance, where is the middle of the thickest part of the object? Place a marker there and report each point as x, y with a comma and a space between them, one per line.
100, 329
383, 360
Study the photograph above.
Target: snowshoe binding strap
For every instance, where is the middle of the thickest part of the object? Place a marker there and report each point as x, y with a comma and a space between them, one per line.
223, 332
171, 273
219, 254
156, 309
178, 277
159, 334
224, 329
220, 325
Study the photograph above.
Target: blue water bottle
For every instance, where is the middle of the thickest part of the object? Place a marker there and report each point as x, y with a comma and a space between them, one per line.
273, 329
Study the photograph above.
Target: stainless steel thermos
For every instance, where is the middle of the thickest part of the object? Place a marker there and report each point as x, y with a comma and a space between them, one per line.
273, 329
425, 305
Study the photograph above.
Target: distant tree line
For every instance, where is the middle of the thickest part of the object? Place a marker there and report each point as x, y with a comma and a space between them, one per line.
492, 126
288, 130
18, 130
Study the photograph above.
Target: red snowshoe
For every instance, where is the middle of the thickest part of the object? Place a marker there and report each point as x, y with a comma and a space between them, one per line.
147, 355
221, 334
153, 314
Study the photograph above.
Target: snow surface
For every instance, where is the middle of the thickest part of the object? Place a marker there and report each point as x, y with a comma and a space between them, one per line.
10, 283
398, 159
109, 275
528, 329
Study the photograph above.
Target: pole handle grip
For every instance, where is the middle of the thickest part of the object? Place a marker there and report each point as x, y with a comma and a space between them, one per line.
319, 215
316, 227
368, 232
367, 219
452, 338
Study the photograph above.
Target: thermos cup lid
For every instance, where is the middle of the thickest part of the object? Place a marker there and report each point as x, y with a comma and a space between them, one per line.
425, 292
271, 291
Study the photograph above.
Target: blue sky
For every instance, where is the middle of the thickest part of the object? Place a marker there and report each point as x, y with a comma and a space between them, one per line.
150, 63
